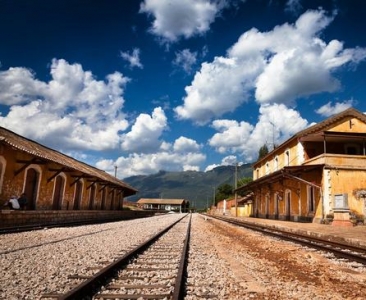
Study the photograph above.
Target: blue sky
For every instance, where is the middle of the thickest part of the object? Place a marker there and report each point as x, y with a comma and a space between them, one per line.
176, 85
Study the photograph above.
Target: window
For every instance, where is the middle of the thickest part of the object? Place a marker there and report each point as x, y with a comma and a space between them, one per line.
276, 163
267, 168
287, 157
352, 149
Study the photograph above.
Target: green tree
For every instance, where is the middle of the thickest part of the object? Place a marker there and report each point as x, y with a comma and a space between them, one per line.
224, 191
263, 151
244, 181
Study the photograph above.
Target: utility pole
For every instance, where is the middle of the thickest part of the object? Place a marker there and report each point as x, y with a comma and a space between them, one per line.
115, 171
235, 187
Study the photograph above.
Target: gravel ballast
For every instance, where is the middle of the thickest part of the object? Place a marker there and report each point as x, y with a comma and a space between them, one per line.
225, 262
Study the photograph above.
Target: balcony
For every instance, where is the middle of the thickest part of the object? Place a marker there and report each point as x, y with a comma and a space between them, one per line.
338, 160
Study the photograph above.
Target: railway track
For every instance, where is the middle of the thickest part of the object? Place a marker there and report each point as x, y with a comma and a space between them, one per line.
154, 269
338, 249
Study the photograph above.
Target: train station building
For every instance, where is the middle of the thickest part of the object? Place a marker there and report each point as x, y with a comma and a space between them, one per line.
54, 181
318, 175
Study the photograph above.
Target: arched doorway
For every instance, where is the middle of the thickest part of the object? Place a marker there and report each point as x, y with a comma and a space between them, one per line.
103, 206
276, 210
267, 205
58, 192
112, 200
92, 197
77, 197
288, 205
31, 187
2, 171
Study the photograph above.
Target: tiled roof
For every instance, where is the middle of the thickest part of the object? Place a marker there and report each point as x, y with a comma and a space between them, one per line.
321, 126
47, 154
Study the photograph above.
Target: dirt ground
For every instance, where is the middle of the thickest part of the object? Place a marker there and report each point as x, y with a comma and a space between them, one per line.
268, 268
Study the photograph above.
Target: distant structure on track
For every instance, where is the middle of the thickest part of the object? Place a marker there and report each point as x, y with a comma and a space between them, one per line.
158, 204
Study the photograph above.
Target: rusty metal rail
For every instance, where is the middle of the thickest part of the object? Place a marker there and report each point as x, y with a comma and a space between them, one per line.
338, 249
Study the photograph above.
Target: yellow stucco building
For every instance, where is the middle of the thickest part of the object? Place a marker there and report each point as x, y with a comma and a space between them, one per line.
316, 175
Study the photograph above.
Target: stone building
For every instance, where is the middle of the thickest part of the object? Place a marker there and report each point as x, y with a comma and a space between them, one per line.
54, 181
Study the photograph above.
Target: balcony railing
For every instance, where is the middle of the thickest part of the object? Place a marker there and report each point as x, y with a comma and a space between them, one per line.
339, 160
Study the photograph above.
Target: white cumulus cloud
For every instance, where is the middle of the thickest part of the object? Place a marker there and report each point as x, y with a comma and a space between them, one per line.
183, 18
328, 109
84, 113
133, 59
278, 66
185, 59
150, 163
276, 124
145, 132
218, 88
183, 144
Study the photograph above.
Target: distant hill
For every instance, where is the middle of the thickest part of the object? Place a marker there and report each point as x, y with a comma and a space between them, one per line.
197, 187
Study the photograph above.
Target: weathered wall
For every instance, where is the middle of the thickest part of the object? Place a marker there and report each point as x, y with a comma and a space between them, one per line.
11, 218
14, 178
352, 183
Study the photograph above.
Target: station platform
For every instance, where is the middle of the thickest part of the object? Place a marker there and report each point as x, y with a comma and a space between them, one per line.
22, 218
355, 235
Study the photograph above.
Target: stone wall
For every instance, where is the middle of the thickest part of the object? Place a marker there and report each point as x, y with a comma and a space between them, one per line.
13, 218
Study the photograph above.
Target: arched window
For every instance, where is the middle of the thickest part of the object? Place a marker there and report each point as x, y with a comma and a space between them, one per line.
287, 157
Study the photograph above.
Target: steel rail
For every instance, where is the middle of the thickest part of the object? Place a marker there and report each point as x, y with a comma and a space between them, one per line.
337, 248
179, 287
89, 287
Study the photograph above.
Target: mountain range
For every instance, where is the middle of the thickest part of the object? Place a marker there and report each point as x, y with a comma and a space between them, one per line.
196, 186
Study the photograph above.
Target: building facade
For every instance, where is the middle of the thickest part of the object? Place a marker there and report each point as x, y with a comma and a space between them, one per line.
174, 205
54, 181
315, 175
